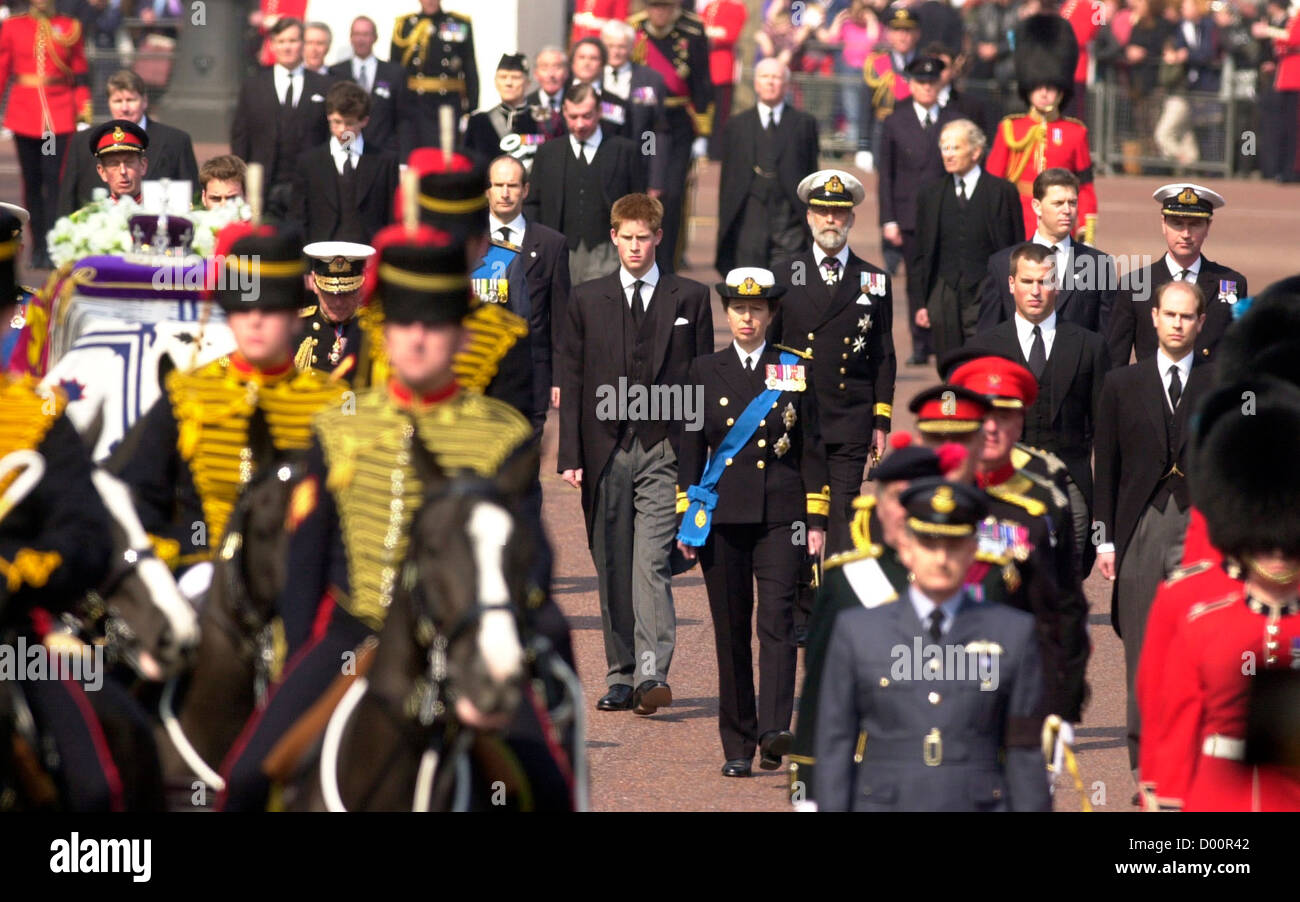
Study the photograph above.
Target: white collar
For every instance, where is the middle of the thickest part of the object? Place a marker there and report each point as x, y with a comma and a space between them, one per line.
144, 123
1163, 363
358, 146
281, 72
843, 256
1025, 329
514, 225
923, 112
628, 280
593, 142
1175, 270
767, 112
744, 356
971, 179
619, 71
1064, 244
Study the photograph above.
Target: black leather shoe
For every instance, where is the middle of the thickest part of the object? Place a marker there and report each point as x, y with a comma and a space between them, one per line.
650, 696
737, 767
618, 698
773, 746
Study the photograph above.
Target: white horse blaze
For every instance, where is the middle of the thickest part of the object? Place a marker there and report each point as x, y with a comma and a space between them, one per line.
152, 572
498, 642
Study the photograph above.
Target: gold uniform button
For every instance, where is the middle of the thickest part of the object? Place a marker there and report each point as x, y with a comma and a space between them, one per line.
1205, 352
934, 698
841, 386
933, 666
762, 443
884, 681
807, 351
844, 357
811, 337
774, 403
731, 421
316, 326
761, 465
728, 461
760, 422
722, 401
846, 339
842, 371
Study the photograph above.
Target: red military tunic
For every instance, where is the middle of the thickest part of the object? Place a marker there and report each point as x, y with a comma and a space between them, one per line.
1220, 640
44, 54
887, 85
293, 9
1085, 18
1287, 51
1026, 145
723, 21
1192, 583
590, 16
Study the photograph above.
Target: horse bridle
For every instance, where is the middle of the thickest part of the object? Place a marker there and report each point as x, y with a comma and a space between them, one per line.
425, 703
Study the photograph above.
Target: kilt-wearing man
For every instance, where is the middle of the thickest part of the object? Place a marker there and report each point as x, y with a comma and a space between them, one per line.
759, 500
839, 311
43, 52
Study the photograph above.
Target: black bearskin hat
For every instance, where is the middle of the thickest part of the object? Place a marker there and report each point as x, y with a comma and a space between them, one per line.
1047, 53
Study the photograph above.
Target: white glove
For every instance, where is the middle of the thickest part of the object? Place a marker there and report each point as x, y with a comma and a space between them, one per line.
700, 148
195, 582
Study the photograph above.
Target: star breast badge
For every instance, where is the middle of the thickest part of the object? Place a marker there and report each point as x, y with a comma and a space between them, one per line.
859, 343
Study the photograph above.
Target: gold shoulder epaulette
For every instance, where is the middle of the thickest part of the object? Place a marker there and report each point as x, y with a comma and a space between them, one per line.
492, 331
1021, 454
848, 557
1059, 498
307, 311
804, 354
1190, 570
1206, 607
690, 23
1032, 506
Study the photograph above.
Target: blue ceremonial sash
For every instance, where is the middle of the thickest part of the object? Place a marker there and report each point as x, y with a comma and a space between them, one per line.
699, 514
489, 279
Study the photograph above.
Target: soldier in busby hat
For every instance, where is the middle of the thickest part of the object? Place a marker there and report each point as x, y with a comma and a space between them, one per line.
766, 471
1046, 53
1247, 440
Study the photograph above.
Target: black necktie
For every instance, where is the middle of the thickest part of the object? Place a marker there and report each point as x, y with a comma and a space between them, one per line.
1038, 354
348, 169
504, 231
771, 122
961, 192
1182, 276
638, 308
928, 124
936, 624
288, 93
1175, 386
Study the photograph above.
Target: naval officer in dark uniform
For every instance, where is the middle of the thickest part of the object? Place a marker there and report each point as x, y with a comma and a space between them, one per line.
762, 497
333, 333
956, 730
839, 311
435, 49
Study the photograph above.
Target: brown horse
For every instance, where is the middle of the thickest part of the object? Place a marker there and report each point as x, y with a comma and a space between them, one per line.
455, 664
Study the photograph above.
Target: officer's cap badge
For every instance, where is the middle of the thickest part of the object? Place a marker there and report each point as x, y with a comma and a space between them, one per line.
1188, 196
942, 501
119, 135
834, 186
749, 288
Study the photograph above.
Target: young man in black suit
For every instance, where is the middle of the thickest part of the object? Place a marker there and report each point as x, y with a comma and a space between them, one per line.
961, 220
907, 157
576, 180
281, 110
1069, 363
1185, 214
1142, 456
1086, 275
839, 310
771, 502
766, 152
171, 152
343, 187
543, 254
383, 80
629, 333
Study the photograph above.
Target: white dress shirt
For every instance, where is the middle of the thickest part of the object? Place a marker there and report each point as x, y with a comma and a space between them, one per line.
363, 72
1175, 270
281, 76
592, 144
766, 113
924, 607
1025, 333
1063, 251
819, 255
340, 153
551, 102
650, 280
619, 81
1165, 364
144, 123
753, 355
516, 227
945, 94
926, 112
971, 179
